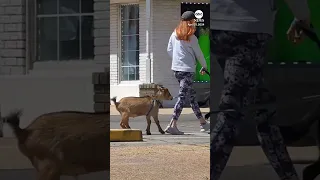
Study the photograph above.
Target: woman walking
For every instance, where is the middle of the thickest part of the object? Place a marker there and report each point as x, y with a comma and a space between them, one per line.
241, 31
184, 49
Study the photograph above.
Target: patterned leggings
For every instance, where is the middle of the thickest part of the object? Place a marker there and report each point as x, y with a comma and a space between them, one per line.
241, 56
185, 80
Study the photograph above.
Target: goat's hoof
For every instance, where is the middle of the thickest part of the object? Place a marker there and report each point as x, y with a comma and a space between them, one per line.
162, 132
148, 133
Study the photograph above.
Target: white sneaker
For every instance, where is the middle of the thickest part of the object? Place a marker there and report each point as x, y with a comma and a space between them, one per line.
173, 131
205, 127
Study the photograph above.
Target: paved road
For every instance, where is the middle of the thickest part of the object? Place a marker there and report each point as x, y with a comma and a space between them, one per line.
248, 172
250, 163
254, 172
14, 166
245, 163
29, 174
189, 124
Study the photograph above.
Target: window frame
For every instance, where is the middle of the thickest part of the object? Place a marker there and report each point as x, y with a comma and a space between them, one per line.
32, 38
120, 66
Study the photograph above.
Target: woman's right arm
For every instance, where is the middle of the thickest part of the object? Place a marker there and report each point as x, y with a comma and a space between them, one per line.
197, 51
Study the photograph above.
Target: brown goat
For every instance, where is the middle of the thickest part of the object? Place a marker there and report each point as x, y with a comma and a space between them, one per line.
142, 106
67, 143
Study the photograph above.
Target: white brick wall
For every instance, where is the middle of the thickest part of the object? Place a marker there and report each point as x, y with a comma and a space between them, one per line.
12, 37
114, 41
118, 88
102, 31
142, 40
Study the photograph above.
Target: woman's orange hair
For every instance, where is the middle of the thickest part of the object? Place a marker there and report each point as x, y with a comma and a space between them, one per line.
185, 30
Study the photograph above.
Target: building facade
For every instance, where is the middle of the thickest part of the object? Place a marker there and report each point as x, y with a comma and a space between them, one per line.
48, 52
139, 34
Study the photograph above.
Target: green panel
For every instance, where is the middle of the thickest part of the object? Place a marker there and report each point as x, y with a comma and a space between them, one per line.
281, 50
204, 43
202, 34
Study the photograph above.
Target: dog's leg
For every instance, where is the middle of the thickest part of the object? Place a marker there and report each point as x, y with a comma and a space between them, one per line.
148, 124
156, 120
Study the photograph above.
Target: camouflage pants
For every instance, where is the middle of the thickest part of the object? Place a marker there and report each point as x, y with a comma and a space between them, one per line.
241, 56
185, 80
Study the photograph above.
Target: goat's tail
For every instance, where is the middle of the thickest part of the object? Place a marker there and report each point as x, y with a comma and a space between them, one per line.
13, 120
114, 100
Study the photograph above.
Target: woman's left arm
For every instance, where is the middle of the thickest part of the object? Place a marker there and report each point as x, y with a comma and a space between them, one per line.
170, 47
197, 51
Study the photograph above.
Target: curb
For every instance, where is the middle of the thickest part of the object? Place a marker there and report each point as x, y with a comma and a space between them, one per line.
125, 135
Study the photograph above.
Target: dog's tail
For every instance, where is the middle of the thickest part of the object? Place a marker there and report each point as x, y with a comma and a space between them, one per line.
13, 120
300, 129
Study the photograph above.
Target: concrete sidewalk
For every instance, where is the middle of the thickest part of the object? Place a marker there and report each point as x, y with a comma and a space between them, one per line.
163, 111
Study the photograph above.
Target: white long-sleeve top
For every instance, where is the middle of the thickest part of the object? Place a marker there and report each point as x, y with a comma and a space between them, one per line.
184, 54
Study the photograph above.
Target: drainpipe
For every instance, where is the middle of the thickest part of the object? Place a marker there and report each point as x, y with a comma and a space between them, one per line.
148, 59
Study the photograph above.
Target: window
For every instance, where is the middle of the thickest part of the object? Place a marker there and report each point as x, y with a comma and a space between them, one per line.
130, 42
65, 30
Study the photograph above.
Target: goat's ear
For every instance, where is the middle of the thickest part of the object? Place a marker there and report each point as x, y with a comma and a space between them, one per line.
161, 89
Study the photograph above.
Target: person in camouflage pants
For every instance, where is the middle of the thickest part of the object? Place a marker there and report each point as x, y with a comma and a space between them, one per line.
241, 56
186, 90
